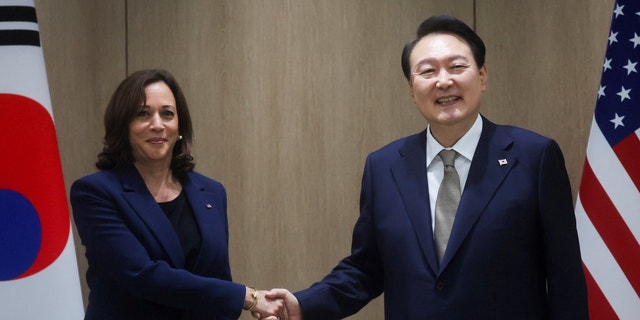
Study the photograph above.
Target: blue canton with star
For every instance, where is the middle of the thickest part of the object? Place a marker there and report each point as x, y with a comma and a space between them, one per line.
618, 106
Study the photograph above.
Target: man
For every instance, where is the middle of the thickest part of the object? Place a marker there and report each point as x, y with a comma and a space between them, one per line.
512, 250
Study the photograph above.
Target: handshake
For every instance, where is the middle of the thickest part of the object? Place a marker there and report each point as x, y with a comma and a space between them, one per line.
275, 304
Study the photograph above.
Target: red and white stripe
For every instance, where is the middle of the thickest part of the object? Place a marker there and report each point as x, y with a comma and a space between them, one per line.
608, 221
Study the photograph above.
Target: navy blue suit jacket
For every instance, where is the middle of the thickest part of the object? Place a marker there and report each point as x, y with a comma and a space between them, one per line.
513, 251
134, 255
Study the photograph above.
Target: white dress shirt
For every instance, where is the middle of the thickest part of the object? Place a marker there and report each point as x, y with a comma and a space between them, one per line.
466, 147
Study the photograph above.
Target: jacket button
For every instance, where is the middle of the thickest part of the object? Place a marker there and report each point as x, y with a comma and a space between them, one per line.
440, 285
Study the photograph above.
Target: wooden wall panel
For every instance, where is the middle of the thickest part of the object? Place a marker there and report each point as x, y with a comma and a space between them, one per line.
544, 60
288, 98
84, 48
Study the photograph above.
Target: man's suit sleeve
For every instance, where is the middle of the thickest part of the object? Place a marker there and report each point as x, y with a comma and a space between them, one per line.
567, 293
358, 278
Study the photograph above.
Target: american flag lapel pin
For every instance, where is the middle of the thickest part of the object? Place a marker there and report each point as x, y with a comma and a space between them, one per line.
502, 162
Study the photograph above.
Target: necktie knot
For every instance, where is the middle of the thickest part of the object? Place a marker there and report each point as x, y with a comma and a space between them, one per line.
448, 157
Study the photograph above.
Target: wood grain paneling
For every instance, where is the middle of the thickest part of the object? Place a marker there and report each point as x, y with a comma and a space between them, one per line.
289, 96
84, 48
544, 60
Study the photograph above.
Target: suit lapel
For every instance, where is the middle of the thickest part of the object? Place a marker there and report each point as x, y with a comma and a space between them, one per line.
410, 174
491, 163
145, 206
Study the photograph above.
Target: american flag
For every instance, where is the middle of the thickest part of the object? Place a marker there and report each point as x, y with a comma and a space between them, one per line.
608, 205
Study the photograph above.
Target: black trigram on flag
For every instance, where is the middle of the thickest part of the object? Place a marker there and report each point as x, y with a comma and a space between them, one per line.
18, 26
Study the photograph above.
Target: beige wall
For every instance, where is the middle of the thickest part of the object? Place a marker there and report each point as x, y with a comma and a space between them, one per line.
289, 96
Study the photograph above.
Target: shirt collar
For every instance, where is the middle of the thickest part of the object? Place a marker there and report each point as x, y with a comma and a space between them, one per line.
466, 146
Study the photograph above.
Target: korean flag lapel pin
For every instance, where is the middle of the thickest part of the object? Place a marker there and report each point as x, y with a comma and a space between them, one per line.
502, 162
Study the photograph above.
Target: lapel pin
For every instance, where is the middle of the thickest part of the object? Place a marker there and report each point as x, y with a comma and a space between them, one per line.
502, 162
208, 206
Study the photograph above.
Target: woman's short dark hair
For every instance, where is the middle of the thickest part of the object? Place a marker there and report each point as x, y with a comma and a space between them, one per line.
125, 103
447, 25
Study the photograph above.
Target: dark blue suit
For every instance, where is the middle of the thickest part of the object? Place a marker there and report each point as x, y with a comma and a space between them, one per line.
514, 236
135, 258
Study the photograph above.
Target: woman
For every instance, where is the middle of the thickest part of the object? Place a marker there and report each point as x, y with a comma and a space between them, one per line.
155, 231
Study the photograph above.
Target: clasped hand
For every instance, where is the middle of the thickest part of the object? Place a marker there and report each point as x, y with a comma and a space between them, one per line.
277, 304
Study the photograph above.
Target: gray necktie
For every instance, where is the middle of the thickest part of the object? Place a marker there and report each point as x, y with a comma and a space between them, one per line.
447, 202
